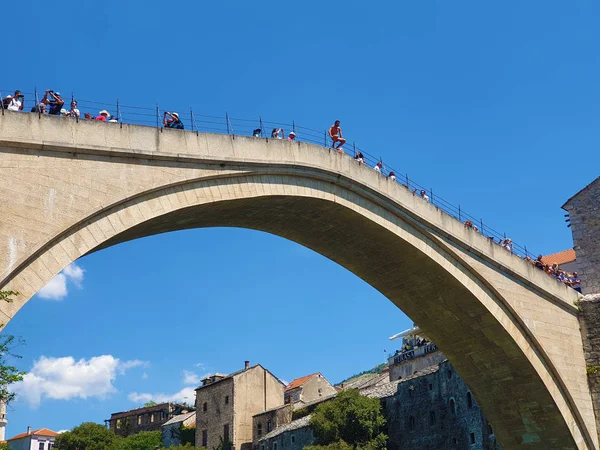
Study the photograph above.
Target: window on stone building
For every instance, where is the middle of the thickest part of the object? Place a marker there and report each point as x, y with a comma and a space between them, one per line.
41, 446
472, 438
449, 374
226, 432
432, 418
274, 445
259, 430
269, 426
430, 387
152, 418
293, 438
119, 424
204, 406
140, 419
452, 406
469, 400
204, 438
227, 399
411, 423
320, 390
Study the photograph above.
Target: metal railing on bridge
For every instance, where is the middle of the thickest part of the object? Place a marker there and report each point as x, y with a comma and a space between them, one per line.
225, 124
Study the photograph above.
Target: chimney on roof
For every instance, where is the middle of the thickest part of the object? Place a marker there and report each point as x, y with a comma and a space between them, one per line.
246, 365
28, 430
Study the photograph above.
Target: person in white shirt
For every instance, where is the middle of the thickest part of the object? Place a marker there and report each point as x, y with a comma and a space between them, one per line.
378, 166
74, 112
16, 104
424, 194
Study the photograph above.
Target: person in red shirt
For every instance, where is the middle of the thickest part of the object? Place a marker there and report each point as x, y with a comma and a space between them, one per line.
103, 115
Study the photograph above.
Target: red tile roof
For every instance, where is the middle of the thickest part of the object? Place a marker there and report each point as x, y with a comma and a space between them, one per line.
40, 432
299, 381
559, 258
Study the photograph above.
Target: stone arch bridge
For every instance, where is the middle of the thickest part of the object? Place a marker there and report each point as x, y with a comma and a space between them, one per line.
70, 188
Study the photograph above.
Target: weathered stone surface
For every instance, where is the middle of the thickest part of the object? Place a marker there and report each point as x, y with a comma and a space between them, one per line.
511, 331
584, 216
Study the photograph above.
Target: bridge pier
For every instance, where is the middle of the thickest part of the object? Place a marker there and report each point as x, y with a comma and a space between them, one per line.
589, 319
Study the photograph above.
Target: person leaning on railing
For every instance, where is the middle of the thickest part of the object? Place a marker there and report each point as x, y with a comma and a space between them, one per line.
173, 122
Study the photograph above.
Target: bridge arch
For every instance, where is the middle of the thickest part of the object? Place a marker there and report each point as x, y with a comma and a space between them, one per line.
475, 300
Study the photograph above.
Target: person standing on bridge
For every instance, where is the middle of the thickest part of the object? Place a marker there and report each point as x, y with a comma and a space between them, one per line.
173, 122
15, 104
335, 133
292, 136
55, 104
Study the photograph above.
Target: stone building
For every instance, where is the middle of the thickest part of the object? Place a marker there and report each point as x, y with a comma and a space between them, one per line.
294, 435
584, 216
265, 422
147, 418
434, 409
226, 404
426, 404
308, 389
172, 429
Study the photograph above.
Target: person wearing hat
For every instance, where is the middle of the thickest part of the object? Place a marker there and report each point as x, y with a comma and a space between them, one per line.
292, 136
55, 104
173, 122
103, 115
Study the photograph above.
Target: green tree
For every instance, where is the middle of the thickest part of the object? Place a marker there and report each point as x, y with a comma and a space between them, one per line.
8, 374
349, 421
4, 446
145, 440
150, 403
88, 436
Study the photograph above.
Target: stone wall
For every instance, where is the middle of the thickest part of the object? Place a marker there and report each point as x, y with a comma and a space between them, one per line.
141, 419
315, 388
255, 390
214, 410
436, 411
293, 436
584, 215
590, 330
264, 423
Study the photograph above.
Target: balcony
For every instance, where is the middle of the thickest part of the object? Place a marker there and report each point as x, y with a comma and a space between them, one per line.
413, 353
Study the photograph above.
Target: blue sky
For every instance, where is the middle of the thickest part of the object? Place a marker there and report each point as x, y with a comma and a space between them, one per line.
495, 106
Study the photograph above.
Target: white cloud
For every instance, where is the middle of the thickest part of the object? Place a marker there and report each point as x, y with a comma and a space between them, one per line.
187, 394
144, 376
190, 378
65, 379
56, 289
199, 365
75, 274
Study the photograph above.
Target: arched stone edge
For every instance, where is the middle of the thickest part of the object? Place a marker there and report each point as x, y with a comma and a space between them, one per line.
71, 252
310, 171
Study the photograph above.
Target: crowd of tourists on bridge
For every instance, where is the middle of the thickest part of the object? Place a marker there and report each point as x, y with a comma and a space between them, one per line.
53, 103
570, 279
